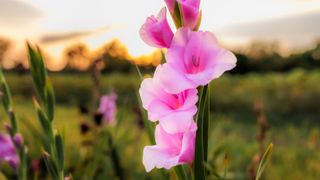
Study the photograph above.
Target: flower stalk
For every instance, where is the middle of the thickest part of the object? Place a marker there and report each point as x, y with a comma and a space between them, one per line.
193, 60
53, 146
13, 130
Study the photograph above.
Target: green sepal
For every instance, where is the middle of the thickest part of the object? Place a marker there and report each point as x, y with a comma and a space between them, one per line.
177, 15
196, 28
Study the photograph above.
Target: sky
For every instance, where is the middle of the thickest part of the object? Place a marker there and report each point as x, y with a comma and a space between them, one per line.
54, 24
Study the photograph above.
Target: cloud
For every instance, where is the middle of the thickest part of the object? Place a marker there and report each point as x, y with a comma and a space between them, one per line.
65, 36
294, 29
18, 13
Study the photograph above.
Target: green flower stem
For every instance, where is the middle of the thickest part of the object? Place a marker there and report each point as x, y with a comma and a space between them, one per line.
206, 124
115, 157
201, 136
54, 151
7, 104
180, 172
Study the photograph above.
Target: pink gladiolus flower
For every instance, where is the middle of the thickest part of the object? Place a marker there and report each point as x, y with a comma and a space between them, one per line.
170, 149
190, 12
189, 9
174, 111
7, 151
170, 5
156, 32
193, 59
108, 108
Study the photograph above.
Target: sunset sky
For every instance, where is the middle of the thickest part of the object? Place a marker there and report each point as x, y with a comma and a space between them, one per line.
56, 23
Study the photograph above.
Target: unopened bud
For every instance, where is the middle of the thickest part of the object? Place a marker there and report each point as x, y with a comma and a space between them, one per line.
18, 140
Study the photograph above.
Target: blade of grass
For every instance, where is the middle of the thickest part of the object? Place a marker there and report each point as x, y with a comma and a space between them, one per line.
264, 161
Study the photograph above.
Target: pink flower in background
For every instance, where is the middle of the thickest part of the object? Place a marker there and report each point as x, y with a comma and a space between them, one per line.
170, 149
156, 32
193, 59
108, 108
7, 151
174, 111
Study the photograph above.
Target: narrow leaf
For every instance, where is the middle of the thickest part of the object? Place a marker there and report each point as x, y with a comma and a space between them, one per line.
6, 96
206, 123
264, 161
7, 104
50, 100
60, 151
45, 124
180, 172
199, 169
51, 166
37, 69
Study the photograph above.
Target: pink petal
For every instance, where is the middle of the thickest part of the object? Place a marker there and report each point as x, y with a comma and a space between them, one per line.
179, 121
170, 5
191, 100
167, 140
190, 12
156, 32
154, 156
188, 145
172, 80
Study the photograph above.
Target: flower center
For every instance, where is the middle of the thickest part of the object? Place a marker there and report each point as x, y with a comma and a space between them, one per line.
195, 60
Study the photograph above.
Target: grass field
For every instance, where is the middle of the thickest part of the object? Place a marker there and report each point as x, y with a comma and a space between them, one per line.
291, 104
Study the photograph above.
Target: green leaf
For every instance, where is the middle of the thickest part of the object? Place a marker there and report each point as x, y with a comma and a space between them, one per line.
6, 98
199, 167
7, 104
51, 166
37, 69
50, 100
180, 172
139, 72
45, 124
60, 151
264, 161
206, 123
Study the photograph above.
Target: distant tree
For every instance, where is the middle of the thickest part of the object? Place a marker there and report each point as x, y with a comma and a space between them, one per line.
4, 47
78, 57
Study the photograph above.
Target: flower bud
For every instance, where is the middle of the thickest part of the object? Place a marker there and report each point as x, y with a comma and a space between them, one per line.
18, 140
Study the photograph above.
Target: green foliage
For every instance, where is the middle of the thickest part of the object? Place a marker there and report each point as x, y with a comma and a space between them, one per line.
201, 137
7, 104
289, 99
54, 155
60, 151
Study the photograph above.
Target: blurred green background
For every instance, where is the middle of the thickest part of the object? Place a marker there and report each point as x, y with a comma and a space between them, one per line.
288, 101
272, 96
